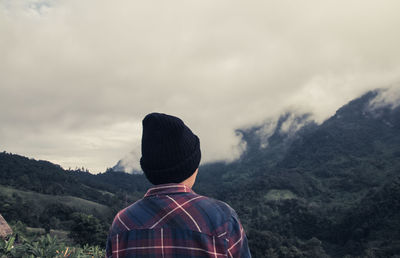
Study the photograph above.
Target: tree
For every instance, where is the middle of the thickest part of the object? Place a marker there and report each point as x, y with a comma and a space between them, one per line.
87, 229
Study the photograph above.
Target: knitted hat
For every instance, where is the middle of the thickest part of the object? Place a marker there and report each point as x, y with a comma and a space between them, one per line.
170, 151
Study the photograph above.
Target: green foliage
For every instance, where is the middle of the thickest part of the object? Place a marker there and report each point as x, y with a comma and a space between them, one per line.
45, 246
6, 246
87, 229
48, 210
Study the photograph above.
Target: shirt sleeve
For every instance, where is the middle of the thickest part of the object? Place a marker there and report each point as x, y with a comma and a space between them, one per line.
237, 240
109, 246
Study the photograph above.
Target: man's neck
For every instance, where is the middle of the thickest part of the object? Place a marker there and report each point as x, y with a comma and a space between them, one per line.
189, 182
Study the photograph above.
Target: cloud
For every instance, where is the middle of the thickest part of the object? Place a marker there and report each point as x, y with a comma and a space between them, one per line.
389, 96
74, 74
266, 130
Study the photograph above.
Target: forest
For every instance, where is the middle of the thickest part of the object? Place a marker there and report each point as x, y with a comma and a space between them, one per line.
301, 189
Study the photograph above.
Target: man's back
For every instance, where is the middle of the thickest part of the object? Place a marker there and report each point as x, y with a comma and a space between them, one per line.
173, 221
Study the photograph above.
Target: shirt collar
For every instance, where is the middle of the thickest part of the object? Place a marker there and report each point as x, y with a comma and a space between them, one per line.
168, 189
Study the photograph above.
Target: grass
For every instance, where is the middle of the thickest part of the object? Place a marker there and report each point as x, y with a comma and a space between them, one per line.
276, 195
76, 203
61, 235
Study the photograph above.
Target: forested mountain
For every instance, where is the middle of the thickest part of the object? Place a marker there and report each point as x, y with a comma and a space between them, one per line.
301, 189
42, 194
47, 178
329, 189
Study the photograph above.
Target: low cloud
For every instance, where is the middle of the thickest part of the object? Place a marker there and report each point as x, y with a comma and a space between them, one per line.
77, 77
266, 130
389, 96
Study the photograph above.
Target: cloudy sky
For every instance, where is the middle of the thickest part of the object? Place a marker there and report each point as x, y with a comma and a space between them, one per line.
78, 76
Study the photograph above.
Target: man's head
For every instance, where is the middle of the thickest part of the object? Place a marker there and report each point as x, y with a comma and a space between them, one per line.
170, 151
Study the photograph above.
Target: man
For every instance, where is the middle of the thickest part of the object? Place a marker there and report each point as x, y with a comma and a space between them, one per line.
172, 220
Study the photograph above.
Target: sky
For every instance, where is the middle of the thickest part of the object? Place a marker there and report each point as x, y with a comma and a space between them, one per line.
78, 76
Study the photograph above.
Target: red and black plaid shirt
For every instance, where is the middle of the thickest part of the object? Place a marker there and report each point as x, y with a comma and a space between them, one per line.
173, 221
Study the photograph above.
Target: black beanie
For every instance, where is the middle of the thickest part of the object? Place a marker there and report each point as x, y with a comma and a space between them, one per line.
170, 151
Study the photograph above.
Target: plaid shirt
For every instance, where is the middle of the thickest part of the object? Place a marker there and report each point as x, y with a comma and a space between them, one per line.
173, 221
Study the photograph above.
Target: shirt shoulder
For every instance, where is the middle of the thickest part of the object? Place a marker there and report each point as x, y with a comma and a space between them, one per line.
217, 209
185, 210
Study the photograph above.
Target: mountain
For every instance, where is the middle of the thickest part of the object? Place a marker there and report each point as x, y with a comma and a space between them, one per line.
48, 178
310, 184
41, 194
301, 189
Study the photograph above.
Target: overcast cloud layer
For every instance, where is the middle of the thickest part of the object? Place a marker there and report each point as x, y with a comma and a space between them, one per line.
77, 77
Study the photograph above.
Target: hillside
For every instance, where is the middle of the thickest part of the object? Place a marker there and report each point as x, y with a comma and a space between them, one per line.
308, 184
16, 200
48, 178
59, 199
